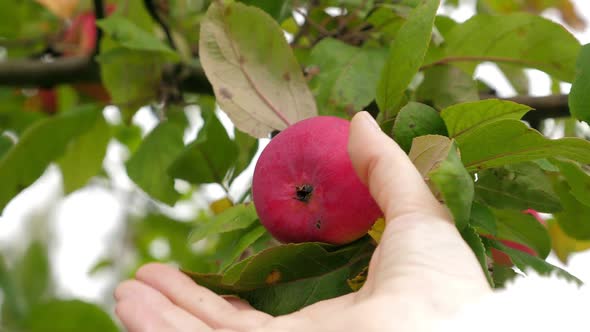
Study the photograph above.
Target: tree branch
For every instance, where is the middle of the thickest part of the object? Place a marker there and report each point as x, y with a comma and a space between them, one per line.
35, 73
153, 11
99, 14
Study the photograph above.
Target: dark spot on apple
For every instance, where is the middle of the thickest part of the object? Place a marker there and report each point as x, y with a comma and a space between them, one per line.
287, 77
225, 93
318, 224
303, 192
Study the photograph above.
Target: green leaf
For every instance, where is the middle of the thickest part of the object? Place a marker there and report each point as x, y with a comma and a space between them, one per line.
239, 241
149, 164
437, 159
286, 278
237, 217
573, 220
520, 39
5, 144
247, 147
502, 275
482, 219
523, 228
463, 118
405, 57
40, 144
510, 141
131, 77
69, 316
278, 9
446, 85
525, 261
208, 158
132, 37
415, 119
347, 76
13, 306
577, 179
455, 185
33, 274
83, 157
520, 186
474, 241
578, 100
255, 76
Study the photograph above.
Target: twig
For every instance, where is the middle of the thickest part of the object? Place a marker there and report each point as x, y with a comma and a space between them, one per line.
99, 14
154, 13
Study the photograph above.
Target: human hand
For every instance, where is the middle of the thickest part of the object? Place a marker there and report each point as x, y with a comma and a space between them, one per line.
421, 272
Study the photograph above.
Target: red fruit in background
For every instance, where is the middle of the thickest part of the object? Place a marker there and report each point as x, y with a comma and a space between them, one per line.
80, 37
502, 258
305, 188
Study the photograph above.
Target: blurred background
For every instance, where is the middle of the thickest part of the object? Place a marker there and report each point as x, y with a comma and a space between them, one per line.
83, 243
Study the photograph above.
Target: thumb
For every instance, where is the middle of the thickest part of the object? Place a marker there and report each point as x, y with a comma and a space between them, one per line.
420, 243
394, 182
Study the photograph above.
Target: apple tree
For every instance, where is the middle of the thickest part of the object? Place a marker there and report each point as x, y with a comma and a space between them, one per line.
221, 78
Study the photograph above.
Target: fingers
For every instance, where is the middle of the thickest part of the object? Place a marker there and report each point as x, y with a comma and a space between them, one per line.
209, 307
141, 308
394, 182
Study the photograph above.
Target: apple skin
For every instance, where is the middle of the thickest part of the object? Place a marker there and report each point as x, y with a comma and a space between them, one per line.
502, 258
305, 188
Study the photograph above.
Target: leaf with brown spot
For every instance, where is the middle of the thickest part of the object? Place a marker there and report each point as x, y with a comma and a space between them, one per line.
286, 278
256, 77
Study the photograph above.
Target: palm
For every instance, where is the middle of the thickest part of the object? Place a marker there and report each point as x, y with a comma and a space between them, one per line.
422, 268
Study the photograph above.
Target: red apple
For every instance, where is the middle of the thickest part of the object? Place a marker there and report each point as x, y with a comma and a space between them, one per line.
305, 188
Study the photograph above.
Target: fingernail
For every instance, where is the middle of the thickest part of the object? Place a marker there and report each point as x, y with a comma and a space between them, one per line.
369, 119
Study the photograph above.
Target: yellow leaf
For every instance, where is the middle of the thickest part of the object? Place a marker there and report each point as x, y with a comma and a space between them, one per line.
62, 8
357, 282
570, 16
562, 244
377, 230
220, 205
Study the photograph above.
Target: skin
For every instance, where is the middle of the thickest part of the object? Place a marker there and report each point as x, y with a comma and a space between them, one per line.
332, 205
422, 271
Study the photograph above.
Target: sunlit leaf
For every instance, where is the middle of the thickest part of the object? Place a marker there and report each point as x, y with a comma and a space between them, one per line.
415, 119
40, 144
510, 141
579, 100
237, 217
209, 157
347, 77
259, 92
405, 57
466, 117
445, 86
522, 39
130, 36
83, 157
148, 166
